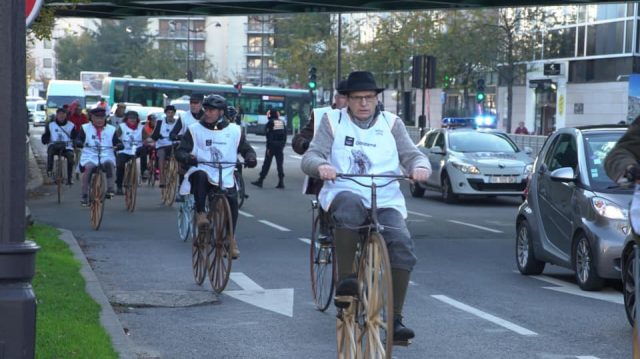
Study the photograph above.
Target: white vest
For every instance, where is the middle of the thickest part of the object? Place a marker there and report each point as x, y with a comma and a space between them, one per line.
90, 152
131, 139
364, 151
214, 146
165, 130
187, 120
61, 133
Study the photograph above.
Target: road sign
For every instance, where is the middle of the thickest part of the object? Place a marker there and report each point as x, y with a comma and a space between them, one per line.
31, 10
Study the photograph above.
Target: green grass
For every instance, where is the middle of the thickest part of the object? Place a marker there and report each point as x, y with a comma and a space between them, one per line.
68, 319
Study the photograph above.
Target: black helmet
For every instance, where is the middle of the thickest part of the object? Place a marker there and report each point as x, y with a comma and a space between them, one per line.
232, 112
132, 114
215, 101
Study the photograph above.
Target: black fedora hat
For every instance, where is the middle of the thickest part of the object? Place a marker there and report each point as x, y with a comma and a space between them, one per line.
360, 81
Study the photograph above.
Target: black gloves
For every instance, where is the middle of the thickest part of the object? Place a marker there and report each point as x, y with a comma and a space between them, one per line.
305, 145
119, 147
78, 143
191, 161
250, 162
632, 173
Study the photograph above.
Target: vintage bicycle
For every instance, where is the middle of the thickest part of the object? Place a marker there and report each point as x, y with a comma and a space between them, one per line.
58, 166
211, 248
322, 258
170, 176
364, 325
97, 189
131, 177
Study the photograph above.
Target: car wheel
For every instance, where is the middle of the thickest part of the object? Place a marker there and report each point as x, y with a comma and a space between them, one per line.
525, 258
416, 190
584, 265
629, 286
447, 191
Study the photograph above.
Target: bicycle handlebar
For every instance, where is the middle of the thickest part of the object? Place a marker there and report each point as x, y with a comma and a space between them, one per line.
351, 177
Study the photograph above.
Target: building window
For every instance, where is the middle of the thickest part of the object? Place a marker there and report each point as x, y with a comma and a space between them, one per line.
46, 63
560, 43
46, 44
605, 12
253, 63
605, 39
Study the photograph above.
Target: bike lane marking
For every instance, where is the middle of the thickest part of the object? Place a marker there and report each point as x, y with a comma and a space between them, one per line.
607, 295
276, 300
419, 214
475, 226
271, 224
249, 215
296, 157
484, 315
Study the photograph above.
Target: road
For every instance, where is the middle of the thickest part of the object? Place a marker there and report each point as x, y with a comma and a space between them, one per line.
466, 298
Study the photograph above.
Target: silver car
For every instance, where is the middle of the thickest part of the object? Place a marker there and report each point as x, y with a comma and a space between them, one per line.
473, 162
574, 215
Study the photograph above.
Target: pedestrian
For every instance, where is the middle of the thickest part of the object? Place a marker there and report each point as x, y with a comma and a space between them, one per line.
521, 129
276, 133
118, 116
360, 139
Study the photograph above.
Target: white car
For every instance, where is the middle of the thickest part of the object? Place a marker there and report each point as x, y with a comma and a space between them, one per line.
473, 162
37, 109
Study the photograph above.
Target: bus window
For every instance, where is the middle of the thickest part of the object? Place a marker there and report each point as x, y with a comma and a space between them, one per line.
118, 94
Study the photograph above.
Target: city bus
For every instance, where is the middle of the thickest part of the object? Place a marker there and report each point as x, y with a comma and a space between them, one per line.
252, 102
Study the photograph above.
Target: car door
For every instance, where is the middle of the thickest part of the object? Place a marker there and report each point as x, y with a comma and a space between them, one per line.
436, 154
554, 197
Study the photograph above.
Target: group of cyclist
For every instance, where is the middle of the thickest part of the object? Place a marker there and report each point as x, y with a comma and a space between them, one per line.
355, 136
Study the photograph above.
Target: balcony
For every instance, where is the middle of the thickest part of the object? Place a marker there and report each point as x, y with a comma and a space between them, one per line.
257, 28
257, 51
182, 35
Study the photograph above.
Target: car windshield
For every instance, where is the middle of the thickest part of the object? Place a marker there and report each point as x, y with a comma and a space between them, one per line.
598, 146
467, 141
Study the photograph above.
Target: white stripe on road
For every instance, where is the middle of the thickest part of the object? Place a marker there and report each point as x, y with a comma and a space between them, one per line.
260, 158
271, 224
474, 226
493, 319
420, 214
246, 214
296, 157
607, 295
305, 240
586, 357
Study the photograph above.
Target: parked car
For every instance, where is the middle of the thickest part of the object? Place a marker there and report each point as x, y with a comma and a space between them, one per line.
574, 215
37, 112
471, 162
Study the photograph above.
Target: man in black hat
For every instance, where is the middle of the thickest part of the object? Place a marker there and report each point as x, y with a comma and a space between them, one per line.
187, 118
361, 139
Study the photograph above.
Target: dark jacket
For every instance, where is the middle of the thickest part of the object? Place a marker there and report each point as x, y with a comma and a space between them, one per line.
183, 153
626, 152
46, 136
301, 140
276, 132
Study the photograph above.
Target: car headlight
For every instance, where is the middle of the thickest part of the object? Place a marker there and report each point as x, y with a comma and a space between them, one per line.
608, 209
465, 168
527, 170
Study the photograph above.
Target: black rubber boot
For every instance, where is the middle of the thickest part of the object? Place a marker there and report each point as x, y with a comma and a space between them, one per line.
280, 184
400, 332
258, 183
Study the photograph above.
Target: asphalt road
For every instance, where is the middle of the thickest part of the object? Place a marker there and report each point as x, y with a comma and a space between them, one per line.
466, 298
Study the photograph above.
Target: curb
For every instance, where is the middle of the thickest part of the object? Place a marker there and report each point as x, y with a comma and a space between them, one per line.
108, 318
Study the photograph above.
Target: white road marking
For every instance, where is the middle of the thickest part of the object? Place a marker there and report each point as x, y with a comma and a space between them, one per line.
260, 158
492, 318
420, 214
607, 295
271, 224
305, 240
275, 300
412, 283
296, 157
586, 357
475, 226
246, 214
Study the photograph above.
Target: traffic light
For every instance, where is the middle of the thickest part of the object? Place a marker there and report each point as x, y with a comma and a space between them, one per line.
480, 96
417, 71
446, 81
429, 72
312, 78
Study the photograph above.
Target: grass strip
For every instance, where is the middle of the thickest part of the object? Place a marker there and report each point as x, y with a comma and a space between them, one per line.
68, 319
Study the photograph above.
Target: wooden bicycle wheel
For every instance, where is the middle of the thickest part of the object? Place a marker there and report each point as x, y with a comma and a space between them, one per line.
218, 257
237, 176
96, 197
131, 184
59, 176
152, 171
346, 332
171, 184
185, 214
322, 266
199, 249
375, 305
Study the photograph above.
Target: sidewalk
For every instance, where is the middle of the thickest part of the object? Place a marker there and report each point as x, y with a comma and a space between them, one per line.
108, 318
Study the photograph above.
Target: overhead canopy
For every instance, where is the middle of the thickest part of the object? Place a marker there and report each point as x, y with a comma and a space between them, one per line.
125, 8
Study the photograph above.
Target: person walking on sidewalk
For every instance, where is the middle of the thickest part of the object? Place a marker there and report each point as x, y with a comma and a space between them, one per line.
276, 132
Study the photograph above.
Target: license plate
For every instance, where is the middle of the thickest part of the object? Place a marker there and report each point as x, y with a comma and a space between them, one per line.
502, 179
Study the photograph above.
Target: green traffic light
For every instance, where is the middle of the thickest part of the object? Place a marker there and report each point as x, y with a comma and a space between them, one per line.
312, 85
480, 97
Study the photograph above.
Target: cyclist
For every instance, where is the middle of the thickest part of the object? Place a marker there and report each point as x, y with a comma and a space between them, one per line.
118, 116
131, 134
59, 135
194, 115
359, 139
97, 133
161, 135
149, 144
621, 164
213, 139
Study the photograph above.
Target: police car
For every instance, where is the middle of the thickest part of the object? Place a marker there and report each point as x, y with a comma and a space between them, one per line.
468, 160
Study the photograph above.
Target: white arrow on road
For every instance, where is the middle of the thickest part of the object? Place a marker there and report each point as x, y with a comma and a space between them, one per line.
275, 300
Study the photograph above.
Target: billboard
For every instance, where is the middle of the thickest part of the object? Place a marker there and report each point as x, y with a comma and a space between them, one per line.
92, 82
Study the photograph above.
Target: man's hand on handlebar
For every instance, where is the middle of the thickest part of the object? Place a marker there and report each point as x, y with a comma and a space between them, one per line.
327, 172
420, 174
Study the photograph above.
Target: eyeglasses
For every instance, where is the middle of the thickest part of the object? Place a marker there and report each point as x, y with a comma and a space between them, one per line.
368, 99
194, 102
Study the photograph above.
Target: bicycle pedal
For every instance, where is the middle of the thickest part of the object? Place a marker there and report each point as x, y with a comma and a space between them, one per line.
402, 343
